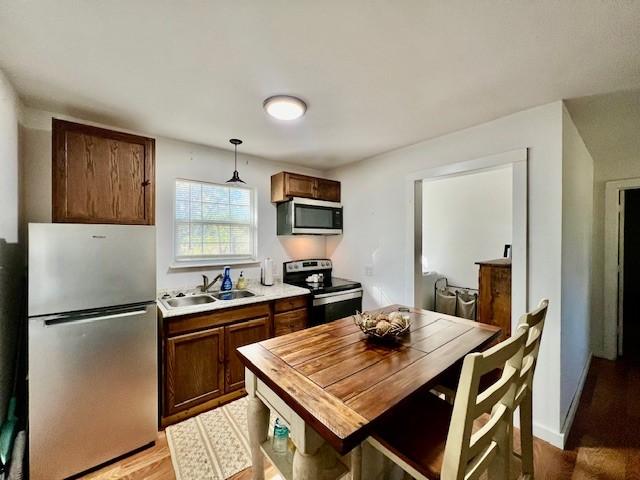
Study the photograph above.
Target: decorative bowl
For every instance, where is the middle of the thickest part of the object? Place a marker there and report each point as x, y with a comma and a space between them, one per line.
383, 326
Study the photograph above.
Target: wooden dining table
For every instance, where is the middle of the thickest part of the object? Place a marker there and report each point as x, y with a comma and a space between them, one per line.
330, 383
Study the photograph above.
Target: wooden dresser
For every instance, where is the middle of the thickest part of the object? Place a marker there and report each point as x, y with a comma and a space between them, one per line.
494, 299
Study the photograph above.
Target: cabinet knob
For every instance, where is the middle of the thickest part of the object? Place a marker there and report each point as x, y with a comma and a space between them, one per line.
146, 183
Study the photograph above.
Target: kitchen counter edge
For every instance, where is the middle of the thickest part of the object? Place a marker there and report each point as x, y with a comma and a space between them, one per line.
263, 294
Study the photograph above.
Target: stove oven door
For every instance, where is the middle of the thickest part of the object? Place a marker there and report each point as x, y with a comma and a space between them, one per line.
328, 307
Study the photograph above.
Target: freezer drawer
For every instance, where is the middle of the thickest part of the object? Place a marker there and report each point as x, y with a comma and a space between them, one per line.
92, 388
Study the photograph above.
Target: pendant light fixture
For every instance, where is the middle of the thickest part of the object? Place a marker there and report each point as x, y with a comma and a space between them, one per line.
236, 177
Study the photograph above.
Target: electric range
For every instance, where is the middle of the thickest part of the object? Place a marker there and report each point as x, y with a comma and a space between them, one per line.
332, 297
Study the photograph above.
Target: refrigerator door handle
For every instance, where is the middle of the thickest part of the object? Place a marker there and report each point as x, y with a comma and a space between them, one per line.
95, 317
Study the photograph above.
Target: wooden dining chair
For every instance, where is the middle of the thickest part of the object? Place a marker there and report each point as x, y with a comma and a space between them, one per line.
524, 395
431, 439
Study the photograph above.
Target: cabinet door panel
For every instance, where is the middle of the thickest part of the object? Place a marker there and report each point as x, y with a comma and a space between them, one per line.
328, 190
300, 186
194, 369
101, 176
236, 336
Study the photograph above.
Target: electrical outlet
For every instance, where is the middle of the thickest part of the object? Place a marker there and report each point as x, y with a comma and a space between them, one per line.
368, 270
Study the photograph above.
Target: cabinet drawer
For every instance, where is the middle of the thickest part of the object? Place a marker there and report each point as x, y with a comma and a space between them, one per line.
290, 322
292, 303
197, 321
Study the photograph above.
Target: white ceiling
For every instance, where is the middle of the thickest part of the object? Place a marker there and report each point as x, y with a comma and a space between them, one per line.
376, 74
609, 125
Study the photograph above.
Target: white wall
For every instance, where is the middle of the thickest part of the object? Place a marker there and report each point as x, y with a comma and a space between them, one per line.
465, 218
173, 159
375, 216
577, 254
9, 113
10, 255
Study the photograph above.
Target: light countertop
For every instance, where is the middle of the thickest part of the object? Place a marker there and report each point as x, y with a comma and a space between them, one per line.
262, 294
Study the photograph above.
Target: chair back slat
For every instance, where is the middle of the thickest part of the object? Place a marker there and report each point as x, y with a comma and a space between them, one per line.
479, 465
484, 436
499, 355
468, 454
492, 395
535, 321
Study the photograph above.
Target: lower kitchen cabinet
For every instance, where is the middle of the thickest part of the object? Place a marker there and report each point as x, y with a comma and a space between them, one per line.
194, 369
238, 335
200, 367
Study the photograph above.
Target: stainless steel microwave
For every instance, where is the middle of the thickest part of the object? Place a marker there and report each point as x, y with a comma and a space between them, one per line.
303, 216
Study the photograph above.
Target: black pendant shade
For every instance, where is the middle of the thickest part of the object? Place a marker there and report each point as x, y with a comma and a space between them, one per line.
236, 176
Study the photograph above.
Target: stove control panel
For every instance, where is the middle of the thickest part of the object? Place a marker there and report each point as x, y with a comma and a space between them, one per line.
308, 265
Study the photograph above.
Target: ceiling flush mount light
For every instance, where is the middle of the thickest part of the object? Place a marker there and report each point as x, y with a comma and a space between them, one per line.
285, 107
236, 177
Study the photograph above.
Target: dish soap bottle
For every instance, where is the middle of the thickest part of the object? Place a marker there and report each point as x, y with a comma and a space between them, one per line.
227, 284
241, 284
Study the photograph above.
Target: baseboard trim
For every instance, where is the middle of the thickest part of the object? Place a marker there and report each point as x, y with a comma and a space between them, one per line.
573, 408
550, 436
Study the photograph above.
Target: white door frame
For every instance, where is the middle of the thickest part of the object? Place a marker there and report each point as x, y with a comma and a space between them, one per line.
520, 222
613, 240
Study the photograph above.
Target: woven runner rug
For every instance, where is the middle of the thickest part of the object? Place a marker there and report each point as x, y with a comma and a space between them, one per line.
213, 445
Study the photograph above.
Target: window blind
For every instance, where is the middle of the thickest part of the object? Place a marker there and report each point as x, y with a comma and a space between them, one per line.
214, 221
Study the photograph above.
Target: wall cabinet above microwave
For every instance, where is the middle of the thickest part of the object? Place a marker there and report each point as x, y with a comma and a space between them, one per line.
286, 185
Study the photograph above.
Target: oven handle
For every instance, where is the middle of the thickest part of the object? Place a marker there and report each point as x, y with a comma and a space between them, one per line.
327, 298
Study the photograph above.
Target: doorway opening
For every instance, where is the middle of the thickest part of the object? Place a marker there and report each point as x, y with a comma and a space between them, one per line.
629, 285
466, 223
621, 269
443, 233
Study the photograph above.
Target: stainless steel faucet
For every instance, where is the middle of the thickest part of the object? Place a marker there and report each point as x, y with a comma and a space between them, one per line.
205, 282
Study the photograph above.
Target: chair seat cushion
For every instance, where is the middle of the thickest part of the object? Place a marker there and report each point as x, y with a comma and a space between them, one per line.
416, 431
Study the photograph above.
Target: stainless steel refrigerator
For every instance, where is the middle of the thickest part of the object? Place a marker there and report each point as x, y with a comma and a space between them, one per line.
92, 338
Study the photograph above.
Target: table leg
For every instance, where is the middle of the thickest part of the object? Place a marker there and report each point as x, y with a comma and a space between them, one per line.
307, 466
258, 423
356, 463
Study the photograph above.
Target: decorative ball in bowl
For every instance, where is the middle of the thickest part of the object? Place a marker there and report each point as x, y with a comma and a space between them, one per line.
381, 326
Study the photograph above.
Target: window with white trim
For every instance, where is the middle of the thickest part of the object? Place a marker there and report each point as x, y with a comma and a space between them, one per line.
214, 222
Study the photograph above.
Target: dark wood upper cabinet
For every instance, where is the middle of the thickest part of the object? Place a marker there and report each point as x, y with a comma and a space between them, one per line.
102, 176
285, 185
328, 190
237, 336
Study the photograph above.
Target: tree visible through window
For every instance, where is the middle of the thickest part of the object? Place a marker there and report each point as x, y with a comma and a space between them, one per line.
214, 221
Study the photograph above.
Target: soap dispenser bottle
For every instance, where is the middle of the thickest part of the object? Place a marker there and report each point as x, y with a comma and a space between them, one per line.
227, 284
241, 284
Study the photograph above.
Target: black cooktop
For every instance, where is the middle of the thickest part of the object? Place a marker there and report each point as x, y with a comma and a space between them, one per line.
296, 273
329, 285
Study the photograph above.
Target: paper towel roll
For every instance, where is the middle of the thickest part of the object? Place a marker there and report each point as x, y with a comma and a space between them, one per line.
267, 271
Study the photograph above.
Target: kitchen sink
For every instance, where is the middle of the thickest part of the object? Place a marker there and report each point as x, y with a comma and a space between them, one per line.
233, 294
189, 301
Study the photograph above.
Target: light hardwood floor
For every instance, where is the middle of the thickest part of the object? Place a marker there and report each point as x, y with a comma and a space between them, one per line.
604, 442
